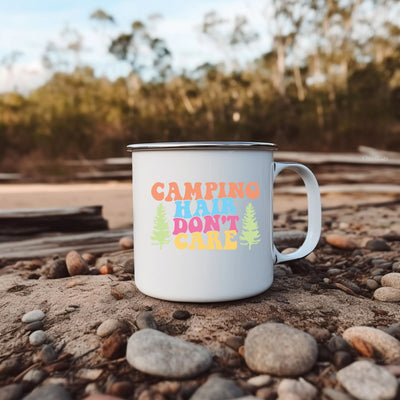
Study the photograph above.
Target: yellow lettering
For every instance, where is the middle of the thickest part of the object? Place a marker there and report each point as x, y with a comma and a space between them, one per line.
197, 239
178, 241
213, 238
229, 244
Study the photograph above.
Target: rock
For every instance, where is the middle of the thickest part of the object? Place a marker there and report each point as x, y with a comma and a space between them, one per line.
48, 354
396, 266
337, 343
12, 392
217, 389
10, 366
341, 241
56, 269
392, 280
126, 243
102, 397
371, 284
37, 338
145, 320
319, 334
260, 380
107, 327
114, 346
35, 376
266, 393
279, 349
366, 381
32, 316
312, 258
34, 326
291, 238
76, 265
181, 315
234, 342
156, 353
394, 330
333, 394
292, 389
89, 258
90, 374
384, 346
122, 389
342, 359
389, 294
49, 392
106, 269
377, 245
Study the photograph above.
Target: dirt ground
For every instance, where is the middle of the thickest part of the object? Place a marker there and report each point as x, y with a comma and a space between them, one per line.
116, 198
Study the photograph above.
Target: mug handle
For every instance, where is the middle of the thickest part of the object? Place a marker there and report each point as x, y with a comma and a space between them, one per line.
314, 211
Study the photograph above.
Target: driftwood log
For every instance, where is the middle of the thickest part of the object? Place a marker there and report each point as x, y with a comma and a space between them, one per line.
98, 242
43, 220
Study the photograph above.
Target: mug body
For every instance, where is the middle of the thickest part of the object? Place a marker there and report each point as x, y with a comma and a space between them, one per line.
203, 221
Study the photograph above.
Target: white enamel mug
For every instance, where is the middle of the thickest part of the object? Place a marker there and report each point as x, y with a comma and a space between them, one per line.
203, 219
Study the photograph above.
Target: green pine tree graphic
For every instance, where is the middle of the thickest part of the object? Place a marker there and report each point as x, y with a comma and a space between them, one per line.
161, 233
250, 234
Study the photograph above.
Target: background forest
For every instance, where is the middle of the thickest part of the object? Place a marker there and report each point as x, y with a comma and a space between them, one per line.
329, 82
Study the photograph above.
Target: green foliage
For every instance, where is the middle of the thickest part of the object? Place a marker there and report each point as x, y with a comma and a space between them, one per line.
332, 95
250, 233
161, 234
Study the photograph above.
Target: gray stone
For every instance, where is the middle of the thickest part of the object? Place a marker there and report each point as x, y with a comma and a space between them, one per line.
301, 389
49, 392
388, 294
260, 380
37, 338
387, 346
291, 238
372, 284
279, 349
48, 354
396, 266
34, 326
392, 280
56, 269
34, 376
366, 381
156, 353
378, 245
217, 389
12, 392
32, 316
333, 394
145, 320
107, 327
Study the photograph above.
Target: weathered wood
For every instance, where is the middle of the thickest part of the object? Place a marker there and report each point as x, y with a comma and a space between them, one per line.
349, 188
34, 221
93, 242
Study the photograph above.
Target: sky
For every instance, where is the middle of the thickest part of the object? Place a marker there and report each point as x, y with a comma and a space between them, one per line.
27, 26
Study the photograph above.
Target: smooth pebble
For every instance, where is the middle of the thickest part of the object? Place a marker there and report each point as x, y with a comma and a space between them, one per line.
388, 294
334, 394
260, 380
76, 265
367, 381
217, 389
279, 349
377, 245
37, 338
49, 392
392, 280
145, 320
372, 284
383, 344
159, 354
34, 376
13, 391
341, 241
33, 316
296, 390
108, 326
48, 354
